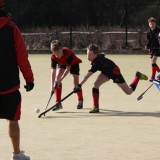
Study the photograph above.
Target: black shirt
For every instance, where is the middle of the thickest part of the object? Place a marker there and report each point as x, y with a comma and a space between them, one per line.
103, 64
152, 37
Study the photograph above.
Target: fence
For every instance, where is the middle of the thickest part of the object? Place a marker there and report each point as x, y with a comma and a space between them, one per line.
106, 40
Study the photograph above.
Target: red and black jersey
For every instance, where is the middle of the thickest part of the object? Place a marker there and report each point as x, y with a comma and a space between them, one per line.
152, 37
13, 56
68, 59
105, 65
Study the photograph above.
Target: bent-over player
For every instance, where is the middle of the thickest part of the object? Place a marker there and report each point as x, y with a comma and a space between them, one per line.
63, 61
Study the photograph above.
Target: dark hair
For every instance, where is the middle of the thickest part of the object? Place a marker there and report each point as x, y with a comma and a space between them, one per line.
94, 48
151, 19
56, 45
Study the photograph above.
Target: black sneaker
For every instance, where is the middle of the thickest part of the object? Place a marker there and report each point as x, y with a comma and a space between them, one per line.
80, 104
57, 107
152, 79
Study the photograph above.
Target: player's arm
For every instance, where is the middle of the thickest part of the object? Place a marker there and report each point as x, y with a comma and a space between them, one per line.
22, 59
68, 68
69, 61
78, 87
53, 73
89, 74
53, 77
93, 69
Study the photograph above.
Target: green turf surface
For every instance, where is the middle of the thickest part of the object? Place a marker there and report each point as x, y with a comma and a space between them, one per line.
125, 129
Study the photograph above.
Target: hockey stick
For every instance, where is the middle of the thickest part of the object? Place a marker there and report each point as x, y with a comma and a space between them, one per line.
141, 96
43, 113
49, 100
50, 97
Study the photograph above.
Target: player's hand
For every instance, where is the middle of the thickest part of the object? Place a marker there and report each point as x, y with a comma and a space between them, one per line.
77, 88
29, 86
147, 49
58, 83
53, 87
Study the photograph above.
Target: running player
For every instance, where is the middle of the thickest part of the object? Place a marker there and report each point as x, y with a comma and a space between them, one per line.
153, 45
63, 61
109, 70
13, 56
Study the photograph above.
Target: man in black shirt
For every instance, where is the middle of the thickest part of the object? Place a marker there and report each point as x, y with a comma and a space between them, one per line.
153, 45
109, 70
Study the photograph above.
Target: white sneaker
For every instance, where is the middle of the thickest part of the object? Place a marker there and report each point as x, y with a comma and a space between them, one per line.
20, 156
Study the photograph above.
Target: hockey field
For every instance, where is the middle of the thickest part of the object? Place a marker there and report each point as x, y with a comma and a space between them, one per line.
125, 129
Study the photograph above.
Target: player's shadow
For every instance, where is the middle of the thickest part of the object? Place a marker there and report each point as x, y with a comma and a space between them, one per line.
103, 113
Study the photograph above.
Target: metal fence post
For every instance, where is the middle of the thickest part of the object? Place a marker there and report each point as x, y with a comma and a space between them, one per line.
57, 35
126, 22
97, 37
139, 38
70, 27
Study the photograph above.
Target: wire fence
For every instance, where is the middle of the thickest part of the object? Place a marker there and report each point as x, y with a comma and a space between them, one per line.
114, 40
125, 14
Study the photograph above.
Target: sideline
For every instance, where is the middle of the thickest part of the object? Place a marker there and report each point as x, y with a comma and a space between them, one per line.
129, 51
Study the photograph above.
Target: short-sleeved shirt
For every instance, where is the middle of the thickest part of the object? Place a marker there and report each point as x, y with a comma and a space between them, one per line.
68, 59
108, 68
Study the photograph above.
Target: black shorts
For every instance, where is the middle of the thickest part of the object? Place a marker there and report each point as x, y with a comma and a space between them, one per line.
118, 79
115, 75
10, 106
74, 69
155, 52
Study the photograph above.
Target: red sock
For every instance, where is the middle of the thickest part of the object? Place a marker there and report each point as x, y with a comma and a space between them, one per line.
58, 93
157, 68
154, 69
80, 95
134, 82
95, 95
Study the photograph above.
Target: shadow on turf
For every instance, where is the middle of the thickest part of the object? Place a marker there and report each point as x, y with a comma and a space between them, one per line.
103, 113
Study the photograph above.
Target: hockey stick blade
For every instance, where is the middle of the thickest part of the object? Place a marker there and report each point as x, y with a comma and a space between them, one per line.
43, 113
140, 97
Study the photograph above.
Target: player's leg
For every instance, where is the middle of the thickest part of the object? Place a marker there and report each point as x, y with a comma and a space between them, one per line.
14, 133
101, 79
58, 90
155, 67
75, 70
127, 89
11, 110
130, 89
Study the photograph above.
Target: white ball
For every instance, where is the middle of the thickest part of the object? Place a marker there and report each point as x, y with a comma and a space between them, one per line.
37, 110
